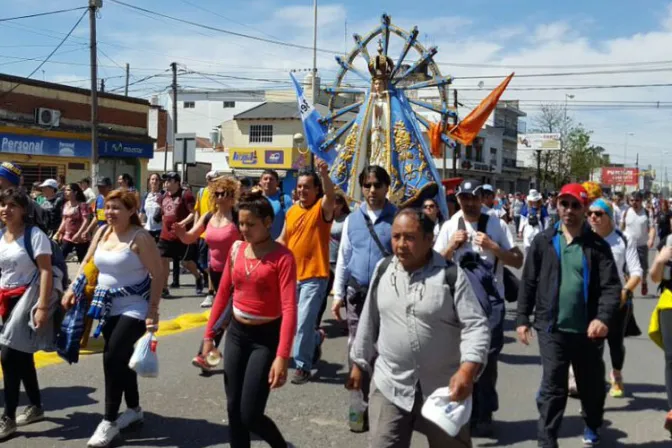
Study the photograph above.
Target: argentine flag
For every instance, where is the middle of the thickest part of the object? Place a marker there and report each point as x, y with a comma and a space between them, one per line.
314, 131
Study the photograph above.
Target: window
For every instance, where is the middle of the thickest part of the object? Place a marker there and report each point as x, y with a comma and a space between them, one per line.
189, 105
493, 151
229, 104
261, 133
468, 153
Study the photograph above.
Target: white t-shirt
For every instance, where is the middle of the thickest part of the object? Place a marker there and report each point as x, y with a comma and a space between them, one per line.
618, 212
16, 268
495, 230
637, 226
529, 232
90, 196
624, 256
151, 206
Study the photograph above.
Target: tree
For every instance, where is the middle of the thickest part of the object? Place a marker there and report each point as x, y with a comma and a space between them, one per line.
577, 159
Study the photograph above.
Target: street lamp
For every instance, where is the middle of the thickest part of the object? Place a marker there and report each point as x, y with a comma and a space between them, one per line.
625, 155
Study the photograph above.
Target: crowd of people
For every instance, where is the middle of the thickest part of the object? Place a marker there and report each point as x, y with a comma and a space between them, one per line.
409, 282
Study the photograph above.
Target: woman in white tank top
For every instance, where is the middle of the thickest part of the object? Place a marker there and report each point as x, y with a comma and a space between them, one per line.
125, 255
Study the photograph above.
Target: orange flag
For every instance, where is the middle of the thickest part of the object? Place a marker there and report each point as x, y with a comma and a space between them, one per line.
467, 129
435, 131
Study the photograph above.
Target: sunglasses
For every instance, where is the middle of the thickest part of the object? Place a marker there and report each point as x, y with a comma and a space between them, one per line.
221, 194
376, 185
573, 205
430, 206
596, 213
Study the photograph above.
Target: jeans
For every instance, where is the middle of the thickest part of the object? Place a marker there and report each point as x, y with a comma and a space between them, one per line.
558, 350
643, 253
120, 334
19, 367
250, 352
311, 294
666, 329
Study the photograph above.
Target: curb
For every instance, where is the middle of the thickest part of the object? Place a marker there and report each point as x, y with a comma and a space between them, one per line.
179, 324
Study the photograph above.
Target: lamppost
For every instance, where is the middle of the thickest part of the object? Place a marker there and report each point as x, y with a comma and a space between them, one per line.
625, 155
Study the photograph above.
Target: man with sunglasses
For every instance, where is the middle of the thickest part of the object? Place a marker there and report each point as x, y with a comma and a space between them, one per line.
366, 239
474, 230
571, 284
640, 228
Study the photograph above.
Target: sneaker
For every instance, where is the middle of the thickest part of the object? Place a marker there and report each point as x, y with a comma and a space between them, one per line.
105, 434
591, 437
130, 417
30, 415
7, 427
200, 362
616, 390
208, 301
300, 377
200, 285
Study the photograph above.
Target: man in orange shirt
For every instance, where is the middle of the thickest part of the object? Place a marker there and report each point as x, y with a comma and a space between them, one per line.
306, 234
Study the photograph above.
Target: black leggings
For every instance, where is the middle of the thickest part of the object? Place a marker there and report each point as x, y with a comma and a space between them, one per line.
616, 337
250, 352
120, 333
19, 367
666, 329
79, 248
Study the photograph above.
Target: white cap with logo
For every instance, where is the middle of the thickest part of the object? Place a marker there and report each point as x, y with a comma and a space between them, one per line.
52, 183
448, 415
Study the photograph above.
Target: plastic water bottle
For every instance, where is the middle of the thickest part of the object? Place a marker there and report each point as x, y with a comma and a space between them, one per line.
357, 409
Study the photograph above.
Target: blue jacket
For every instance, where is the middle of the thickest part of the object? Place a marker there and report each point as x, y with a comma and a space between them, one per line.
365, 252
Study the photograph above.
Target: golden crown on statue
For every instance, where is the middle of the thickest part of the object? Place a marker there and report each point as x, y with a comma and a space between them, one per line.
381, 66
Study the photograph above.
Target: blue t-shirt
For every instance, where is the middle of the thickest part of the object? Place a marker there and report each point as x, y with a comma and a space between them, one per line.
279, 210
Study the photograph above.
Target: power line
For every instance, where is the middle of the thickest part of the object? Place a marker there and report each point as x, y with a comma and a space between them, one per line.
221, 30
541, 75
40, 14
523, 66
50, 54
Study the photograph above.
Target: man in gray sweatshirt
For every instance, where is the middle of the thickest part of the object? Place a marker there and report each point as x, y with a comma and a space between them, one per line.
424, 336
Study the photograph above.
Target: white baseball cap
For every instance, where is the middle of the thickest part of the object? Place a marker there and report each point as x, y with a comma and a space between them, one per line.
50, 183
214, 174
448, 415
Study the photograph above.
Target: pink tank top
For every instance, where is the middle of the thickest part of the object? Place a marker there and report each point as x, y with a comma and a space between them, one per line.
220, 240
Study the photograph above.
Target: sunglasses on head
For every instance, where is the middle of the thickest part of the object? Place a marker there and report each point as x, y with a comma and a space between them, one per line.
221, 194
596, 213
376, 185
573, 204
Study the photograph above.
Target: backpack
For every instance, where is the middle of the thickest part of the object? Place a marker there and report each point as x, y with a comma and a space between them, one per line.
57, 258
450, 275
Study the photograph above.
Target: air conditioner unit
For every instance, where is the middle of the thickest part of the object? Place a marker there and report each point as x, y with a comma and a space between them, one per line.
48, 117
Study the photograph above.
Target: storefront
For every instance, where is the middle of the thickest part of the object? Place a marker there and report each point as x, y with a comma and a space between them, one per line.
47, 154
251, 162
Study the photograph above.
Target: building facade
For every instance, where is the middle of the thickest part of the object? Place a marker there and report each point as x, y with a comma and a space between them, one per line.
45, 128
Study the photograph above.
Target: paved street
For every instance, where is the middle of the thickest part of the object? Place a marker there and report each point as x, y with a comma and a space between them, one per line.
185, 409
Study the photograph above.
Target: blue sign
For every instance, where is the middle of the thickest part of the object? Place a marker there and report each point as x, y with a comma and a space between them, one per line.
274, 157
125, 149
48, 146
43, 146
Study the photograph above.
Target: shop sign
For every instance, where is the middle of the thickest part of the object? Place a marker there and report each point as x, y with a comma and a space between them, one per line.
125, 149
260, 158
613, 175
244, 158
272, 157
43, 146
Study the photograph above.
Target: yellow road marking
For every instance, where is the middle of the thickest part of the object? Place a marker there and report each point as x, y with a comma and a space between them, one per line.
166, 328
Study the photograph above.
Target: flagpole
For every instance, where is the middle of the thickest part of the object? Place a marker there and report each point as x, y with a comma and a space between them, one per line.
314, 77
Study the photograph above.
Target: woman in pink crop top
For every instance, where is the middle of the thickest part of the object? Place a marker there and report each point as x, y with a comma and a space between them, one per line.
221, 232
260, 279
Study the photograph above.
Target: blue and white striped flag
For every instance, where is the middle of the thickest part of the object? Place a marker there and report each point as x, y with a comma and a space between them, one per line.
314, 131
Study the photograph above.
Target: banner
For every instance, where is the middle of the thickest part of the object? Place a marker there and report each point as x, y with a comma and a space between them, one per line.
543, 142
315, 132
612, 175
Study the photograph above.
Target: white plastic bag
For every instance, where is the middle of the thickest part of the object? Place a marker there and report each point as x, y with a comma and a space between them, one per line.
144, 360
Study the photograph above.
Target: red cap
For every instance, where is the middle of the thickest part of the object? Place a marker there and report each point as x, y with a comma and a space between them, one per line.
577, 191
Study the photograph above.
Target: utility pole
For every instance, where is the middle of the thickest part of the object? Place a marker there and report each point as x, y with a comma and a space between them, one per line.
539, 186
128, 74
314, 77
93, 7
457, 145
173, 66
102, 85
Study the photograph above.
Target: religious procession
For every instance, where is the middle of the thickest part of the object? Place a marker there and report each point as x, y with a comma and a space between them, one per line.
366, 295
